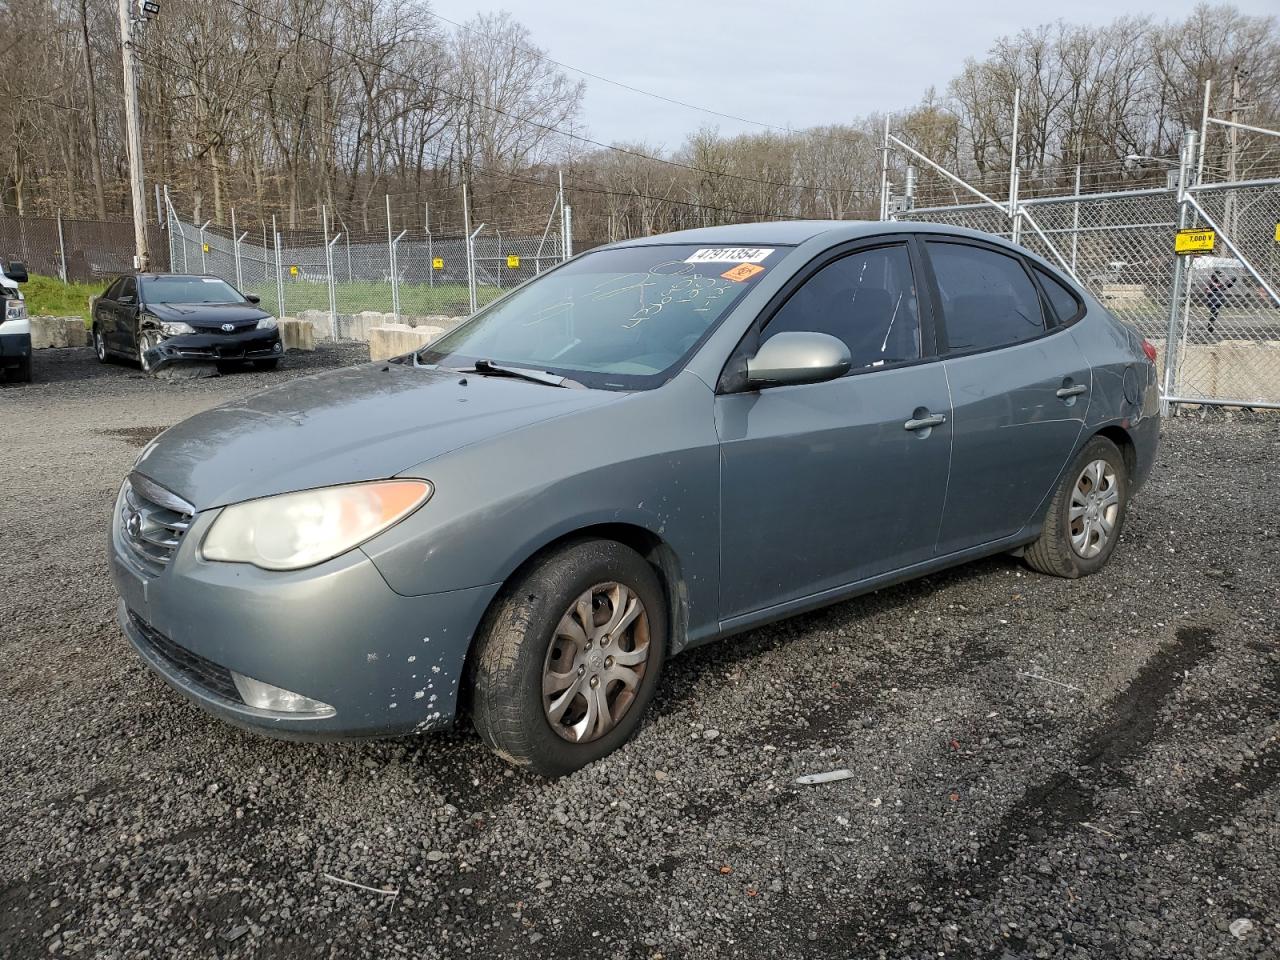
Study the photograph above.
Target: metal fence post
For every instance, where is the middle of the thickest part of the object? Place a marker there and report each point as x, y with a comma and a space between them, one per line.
62, 251
235, 250
204, 268
471, 260
568, 231
1171, 339
279, 270
328, 269
395, 275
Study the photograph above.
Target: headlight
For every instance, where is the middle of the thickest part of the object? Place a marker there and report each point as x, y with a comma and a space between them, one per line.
176, 328
15, 310
298, 530
267, 323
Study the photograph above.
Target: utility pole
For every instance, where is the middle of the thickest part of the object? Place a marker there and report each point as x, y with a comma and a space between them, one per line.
133, 139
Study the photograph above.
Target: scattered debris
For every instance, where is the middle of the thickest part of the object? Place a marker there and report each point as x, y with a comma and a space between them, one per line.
1056, 683
829, 777
1241, 928
361, 886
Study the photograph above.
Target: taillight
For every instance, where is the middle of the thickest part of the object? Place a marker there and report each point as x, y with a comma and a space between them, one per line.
1148, 349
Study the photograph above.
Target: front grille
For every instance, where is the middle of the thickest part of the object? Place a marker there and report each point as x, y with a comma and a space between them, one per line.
192, 666
152, 523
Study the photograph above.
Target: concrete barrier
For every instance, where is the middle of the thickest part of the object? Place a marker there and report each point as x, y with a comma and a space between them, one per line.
1227, 370
394, 339
58, 332
320, 320
296, 334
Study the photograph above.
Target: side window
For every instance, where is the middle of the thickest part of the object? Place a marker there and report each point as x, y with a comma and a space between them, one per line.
867, 299
1066, 306
128, 292
988, 299
113, 291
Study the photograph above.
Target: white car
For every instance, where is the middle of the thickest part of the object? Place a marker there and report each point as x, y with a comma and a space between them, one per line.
15, 328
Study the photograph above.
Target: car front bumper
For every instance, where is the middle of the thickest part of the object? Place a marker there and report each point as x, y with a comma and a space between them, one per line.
387, 664
14, 348
251, 345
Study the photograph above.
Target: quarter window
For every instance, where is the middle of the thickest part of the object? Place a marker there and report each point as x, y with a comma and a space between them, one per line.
1065, 304
988, 299
867, 299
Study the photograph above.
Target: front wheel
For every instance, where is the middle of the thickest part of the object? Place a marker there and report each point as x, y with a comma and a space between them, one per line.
569, 657
146, 340
1086, 515
99, 345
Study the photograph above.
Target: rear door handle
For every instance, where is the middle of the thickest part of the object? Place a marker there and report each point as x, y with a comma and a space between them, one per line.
1075, 391
936, 420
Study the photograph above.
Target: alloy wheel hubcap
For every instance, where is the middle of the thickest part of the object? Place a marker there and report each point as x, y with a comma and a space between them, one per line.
145, 343
595, 662
99, 344
1095, 508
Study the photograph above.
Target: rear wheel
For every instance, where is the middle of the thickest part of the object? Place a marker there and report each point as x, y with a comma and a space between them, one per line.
1086, 515
569, 657
99, 344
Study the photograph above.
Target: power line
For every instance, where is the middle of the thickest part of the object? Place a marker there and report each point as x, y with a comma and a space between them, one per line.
550, 128
534, 52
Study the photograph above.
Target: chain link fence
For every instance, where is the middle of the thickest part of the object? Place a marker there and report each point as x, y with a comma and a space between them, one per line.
83, 251
1223, 319
343, 280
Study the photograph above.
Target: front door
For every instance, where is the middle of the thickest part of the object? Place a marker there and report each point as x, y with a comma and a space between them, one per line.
1019, 390
827, 484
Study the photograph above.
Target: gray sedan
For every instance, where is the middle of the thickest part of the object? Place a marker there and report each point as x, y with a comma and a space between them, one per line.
658, 444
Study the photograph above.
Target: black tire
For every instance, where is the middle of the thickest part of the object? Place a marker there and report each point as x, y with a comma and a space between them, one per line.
1054, 553
23, 372
515, 642
100, 346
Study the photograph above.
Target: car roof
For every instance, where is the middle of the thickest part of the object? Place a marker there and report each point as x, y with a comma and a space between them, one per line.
795, 232
169, 276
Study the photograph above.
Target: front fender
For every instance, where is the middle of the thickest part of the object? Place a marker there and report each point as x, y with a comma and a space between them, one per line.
649, 461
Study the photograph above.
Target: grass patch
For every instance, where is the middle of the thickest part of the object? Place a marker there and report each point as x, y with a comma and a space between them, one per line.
50, 297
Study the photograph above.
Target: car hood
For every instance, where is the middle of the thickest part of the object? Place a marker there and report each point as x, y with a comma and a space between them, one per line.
360, 423
208, 315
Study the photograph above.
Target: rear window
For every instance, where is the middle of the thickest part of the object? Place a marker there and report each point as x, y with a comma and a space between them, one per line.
988, 299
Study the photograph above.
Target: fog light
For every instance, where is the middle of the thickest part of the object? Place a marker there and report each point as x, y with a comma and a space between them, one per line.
264, 696
277, 347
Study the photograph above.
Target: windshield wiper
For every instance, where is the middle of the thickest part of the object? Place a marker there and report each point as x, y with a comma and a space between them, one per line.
489, 368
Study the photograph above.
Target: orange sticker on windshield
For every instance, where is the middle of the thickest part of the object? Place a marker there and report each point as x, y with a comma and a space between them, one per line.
743, 271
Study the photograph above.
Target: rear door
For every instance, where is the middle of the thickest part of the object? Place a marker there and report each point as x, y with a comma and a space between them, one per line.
1019, 390
104, 313
125, 309
828, 484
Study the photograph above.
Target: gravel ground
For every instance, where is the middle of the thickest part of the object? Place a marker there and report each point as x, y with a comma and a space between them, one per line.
1042, 768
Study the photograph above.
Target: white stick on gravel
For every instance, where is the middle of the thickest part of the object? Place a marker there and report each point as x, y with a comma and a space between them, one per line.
829, 777
1059, 683
361, 886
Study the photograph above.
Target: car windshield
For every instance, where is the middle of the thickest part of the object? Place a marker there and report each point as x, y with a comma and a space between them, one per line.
189, 290
620, 319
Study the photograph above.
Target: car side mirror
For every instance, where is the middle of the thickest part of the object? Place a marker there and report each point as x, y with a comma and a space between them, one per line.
798, 357
17, 272
253, 298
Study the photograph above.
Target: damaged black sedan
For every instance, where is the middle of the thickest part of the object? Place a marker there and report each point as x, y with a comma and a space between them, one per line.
157, 319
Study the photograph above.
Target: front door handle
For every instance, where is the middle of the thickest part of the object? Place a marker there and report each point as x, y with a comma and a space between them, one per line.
923, 423
1075, 391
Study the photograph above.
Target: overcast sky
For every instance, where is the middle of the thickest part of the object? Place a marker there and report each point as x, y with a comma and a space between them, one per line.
786, 62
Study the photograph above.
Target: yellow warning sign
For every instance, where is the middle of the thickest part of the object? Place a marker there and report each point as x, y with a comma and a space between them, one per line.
1278, 233
204, 247
293, 271
437, 263
513, 262
1194, 241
